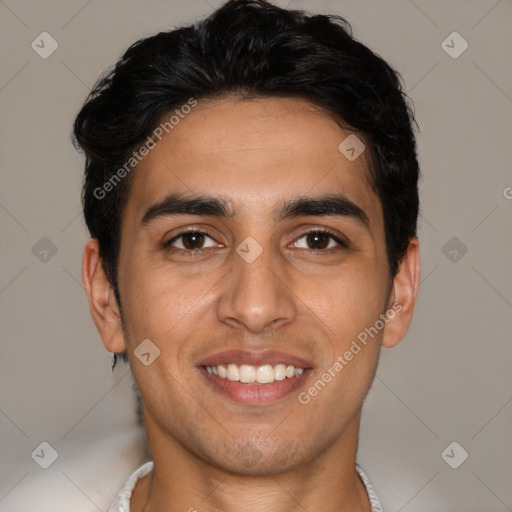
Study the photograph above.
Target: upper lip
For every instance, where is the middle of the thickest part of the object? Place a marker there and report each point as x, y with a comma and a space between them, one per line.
254, 358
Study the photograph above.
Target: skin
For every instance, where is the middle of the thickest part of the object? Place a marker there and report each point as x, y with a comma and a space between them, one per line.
211, 452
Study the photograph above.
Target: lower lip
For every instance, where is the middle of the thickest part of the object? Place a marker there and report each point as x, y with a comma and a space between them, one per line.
255, 394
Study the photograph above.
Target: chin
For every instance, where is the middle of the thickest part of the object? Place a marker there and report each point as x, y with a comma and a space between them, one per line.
249, 459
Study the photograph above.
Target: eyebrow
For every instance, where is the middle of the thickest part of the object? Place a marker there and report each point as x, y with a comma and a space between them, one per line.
179, 204
327, 205
208, 206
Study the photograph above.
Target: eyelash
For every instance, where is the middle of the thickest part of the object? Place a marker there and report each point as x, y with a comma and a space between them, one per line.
341, 243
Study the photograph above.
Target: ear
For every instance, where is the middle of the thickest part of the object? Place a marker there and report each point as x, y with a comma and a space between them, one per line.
404, 291
102, 301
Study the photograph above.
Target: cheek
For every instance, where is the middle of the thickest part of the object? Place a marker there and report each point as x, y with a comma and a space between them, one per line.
347, 302
349, 305
158, 301
174, 308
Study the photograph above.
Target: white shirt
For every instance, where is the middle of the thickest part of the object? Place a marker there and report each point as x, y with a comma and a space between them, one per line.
122, 501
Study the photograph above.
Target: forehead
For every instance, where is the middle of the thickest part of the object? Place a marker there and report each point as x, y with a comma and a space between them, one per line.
255, 154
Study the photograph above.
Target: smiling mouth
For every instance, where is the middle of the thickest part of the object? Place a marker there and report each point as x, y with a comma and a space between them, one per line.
255, 377
255, 385
249, 374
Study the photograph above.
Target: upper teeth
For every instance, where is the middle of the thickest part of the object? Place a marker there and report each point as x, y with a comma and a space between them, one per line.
262, 374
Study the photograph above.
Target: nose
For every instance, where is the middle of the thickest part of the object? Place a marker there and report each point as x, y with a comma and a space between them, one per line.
256, 296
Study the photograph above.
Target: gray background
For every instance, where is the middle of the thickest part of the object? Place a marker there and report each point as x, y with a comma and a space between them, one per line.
449, 380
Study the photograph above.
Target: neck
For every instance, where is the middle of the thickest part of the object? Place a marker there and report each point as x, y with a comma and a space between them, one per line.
180, 481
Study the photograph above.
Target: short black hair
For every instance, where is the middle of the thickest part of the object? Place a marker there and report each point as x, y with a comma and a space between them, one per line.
248, 49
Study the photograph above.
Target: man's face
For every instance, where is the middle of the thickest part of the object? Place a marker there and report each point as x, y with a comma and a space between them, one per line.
301, 302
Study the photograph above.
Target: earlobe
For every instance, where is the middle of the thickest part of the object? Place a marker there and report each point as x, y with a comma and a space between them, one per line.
102, 302
403, 296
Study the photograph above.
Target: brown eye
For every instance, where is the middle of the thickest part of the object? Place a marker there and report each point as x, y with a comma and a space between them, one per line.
191, 241
318, 240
